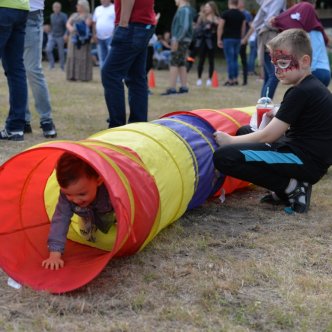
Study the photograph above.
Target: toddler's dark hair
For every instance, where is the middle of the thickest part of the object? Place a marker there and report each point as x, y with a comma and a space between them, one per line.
70, 169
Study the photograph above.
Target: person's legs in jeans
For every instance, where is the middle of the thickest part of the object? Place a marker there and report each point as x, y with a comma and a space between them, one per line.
270, 80
128, 44
113, 72
36, 78
61, 51
137, 89
12, 31
103, 46
252, 56
228, 51
236, 45
51, 42
231, 50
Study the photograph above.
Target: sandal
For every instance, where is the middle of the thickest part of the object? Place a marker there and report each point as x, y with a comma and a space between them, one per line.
300, 197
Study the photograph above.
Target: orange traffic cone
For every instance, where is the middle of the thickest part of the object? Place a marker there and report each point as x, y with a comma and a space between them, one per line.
215, 82
152, 81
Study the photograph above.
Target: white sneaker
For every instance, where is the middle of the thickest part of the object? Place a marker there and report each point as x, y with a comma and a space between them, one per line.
208, 82
199, 82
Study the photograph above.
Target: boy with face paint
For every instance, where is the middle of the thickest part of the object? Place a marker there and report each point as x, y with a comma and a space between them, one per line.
294, 150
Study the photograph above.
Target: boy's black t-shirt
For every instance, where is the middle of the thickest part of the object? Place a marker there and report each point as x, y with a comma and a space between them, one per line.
307, 108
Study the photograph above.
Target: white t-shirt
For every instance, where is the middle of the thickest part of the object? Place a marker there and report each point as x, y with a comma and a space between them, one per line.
36, 5
104, 18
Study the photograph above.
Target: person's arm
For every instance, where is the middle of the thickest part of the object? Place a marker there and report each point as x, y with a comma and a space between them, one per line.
88, 21
273, 131
126, 9
243, 28
94, 29
58, 234
248, 34
220, 32
184, 26
69, 24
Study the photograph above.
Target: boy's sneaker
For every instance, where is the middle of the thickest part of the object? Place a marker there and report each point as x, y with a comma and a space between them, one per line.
208, 82
300, 197
183, 89
170, 91
274, 199
27, 128
11, 135
49, 130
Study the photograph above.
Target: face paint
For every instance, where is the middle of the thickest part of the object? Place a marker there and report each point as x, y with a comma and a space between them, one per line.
283, 62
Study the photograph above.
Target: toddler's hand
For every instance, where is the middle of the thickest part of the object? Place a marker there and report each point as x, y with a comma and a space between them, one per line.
54, 262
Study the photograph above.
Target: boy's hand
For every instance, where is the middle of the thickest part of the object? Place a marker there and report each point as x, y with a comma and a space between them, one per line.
222, 138
54, 262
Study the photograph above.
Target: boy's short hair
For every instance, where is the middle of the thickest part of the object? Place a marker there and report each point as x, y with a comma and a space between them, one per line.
70, 168
297, 41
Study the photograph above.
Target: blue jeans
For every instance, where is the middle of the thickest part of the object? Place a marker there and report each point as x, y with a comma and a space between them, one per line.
231, 51
103, 47
60, 43
33, 66
270, 80
12, 30
323, 75
252, 56
127, 61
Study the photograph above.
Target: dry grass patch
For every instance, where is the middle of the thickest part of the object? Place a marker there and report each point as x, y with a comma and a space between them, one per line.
236, 266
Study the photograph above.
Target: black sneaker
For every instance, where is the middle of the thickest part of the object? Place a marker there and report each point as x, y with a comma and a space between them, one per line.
49, 130
11, 136
183, 89
27, 128
274, 199
170, 91
300, 197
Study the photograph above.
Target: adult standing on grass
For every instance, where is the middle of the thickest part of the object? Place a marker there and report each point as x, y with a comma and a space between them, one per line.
33, 44
103, 27
230, 31
182, 34
206, 37
265, 32
135, 24
56, 36
13, 16
243, 48
79, 60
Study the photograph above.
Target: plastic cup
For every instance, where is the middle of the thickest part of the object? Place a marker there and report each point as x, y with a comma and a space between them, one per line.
261, 110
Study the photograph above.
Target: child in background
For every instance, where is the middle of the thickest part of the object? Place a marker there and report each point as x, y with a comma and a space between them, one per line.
294, 150
82, 192
182, 34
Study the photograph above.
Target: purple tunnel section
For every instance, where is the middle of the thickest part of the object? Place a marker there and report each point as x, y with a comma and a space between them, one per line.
199, 136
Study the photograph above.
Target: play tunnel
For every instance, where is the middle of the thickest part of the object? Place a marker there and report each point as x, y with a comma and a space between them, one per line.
154, 172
